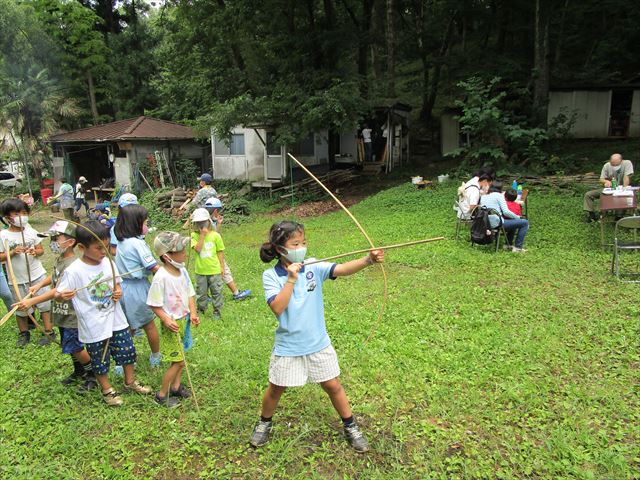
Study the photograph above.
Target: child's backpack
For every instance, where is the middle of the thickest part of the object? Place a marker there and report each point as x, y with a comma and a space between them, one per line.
481, 232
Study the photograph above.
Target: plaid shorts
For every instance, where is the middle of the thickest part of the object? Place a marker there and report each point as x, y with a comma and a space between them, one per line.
316, 367
120, 346
69, 340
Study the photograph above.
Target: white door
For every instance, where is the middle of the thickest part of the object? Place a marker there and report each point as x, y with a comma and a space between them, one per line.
273, 159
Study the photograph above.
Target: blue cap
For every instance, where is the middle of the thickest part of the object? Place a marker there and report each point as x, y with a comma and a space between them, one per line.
127, 199
205, 177
213, 202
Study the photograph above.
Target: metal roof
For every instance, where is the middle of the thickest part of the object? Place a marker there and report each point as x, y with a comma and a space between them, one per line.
139, 128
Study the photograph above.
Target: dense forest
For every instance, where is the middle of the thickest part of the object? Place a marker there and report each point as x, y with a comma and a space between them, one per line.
297, 64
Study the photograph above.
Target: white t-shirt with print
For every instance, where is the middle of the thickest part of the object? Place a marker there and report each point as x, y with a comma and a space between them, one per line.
31, 239
98, 315
171, 293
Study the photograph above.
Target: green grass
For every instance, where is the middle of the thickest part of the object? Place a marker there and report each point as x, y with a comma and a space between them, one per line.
484, 366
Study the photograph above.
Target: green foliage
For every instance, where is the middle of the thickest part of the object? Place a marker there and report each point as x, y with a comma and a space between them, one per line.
484, 366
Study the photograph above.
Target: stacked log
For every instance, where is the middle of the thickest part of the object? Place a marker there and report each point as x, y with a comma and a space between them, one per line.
172, 200
308, 185
562, 180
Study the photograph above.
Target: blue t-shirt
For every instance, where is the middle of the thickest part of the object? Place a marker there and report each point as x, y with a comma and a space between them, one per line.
134, 253
301, 328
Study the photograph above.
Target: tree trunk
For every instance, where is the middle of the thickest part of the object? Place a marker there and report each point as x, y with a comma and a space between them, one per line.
92, 98
558, 50
377, 27
427, 107
541, 63
391, 49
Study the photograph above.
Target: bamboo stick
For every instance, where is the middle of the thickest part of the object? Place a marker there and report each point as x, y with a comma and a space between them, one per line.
365, 250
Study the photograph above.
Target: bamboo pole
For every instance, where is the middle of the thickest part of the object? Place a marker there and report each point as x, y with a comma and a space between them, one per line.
186, 367
366, 250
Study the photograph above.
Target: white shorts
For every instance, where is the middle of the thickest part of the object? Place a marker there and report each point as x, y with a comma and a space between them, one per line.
42, 307
226, 274
296, 371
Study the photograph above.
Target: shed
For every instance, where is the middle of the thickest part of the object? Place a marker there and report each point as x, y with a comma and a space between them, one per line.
114, 150
611, 111
253, 155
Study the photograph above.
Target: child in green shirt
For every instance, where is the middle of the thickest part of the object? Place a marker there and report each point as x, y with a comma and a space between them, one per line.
209, 264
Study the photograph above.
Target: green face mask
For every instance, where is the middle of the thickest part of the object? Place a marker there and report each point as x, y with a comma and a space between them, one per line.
295, 255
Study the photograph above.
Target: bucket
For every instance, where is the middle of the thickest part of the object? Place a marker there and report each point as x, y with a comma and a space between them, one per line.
443, 178
45, 193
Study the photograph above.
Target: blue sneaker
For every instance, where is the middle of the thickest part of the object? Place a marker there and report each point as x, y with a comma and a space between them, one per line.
155, 359
119, 371
242, 295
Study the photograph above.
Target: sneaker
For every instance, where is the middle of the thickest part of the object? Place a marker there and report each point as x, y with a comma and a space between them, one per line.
181, 392
89, 383
508, 248
355, 438
260, 434
23, 339
518, 250
168, 401
46, 339
111, 398
71, 379
136, 387
155, 359
242, 295
119, 371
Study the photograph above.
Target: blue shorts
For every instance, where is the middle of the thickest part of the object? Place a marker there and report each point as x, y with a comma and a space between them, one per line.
69, 340
120, 346
134, 302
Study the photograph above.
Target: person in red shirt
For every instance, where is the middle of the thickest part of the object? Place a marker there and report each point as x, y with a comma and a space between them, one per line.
511, 196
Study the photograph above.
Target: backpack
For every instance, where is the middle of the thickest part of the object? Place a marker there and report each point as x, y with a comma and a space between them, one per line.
461, 195
481, 232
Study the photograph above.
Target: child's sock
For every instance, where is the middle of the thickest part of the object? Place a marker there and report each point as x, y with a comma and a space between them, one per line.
347, 422
265, 419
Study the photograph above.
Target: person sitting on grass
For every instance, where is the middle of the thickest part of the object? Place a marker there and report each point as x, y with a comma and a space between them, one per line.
513, 225
102, 326
172, 299
615, 170
213, 205
303, 352
62, 242
25, 248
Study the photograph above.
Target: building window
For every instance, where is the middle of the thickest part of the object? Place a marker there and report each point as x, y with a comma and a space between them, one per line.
235, 147
273, 149
305, 147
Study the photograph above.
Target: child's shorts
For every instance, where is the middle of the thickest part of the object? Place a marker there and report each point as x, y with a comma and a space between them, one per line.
134, 302
227, 277
24, 290
69, 340
172, 348
120, 346
296, 371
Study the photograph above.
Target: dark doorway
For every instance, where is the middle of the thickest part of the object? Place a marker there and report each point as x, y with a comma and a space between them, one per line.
620, 113
91, 162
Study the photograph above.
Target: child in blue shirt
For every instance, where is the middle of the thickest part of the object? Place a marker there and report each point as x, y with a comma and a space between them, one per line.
303, 352
134, 253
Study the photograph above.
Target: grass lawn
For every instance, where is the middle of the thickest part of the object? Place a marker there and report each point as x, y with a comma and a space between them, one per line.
485, 365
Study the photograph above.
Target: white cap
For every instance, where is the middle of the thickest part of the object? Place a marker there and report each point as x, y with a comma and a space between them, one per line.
82, 180
213, 202
200, 215
127, 199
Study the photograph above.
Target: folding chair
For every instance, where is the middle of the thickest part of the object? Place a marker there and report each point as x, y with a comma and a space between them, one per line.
624, 244
460, 221
525, 204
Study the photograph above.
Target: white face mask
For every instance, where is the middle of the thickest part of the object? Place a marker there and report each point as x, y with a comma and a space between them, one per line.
295, 255
20, 221
173, 263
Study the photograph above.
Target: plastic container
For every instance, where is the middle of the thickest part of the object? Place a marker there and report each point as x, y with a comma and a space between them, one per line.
416, 180
45, 194
443, 178
514, 185
519, 192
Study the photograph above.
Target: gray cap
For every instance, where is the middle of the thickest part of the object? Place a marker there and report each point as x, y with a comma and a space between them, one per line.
166, 242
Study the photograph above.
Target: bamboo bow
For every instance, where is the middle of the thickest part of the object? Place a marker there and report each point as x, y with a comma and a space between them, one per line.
364, 233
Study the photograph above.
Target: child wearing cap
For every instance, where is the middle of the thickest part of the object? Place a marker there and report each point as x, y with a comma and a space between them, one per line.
172, 299
63, 240
81, 192
125, 200
206, 190
213, 205
24, 249
209, 264
102, 326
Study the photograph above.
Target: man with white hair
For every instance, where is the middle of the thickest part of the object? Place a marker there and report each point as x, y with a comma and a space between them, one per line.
615, 172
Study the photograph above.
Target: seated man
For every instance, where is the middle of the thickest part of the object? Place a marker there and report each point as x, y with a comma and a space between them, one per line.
615, 169
469, 194
513, 225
